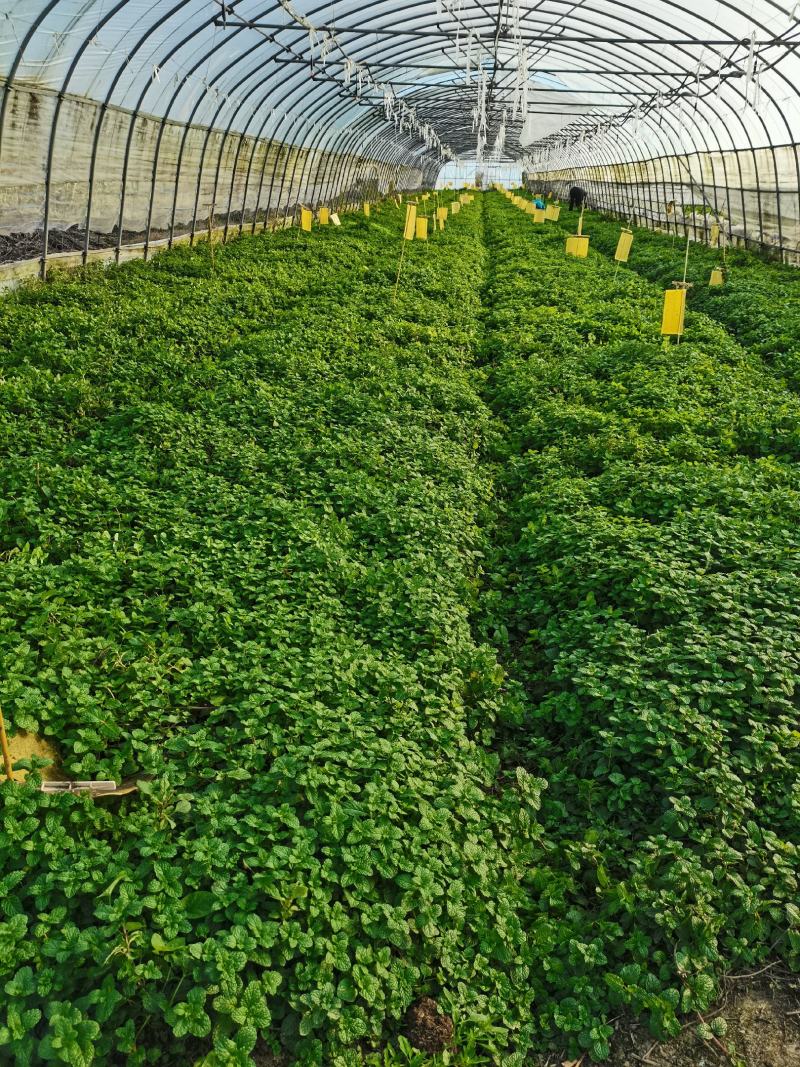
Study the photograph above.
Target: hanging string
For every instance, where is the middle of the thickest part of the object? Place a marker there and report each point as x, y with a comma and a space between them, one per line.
749, 68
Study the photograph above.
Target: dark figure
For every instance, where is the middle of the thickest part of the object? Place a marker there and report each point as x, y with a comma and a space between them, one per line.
576, 197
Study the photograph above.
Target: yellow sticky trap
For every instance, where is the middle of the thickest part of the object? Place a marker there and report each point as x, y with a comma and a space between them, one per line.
366, 208
455, 207
714, 233
441, 214
674, 312
552, 211
324, 216
717, 277
335, 219
411, 222
422, 229
624, 246
24, 745
306, 219
539, 214
577, 245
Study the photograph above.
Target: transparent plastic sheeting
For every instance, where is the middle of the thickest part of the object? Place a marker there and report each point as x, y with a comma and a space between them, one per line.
126, 120
751, 194
456, 175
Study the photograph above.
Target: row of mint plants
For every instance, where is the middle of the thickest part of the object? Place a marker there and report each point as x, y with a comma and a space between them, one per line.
242, 525
759, 302
644, 590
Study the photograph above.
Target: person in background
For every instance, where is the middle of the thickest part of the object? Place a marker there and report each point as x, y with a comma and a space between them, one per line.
538, 202
577, 196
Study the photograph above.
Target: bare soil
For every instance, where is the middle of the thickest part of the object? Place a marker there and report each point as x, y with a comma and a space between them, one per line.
763, 1017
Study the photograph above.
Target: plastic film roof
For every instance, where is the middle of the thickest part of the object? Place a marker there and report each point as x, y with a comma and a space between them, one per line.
439, 76
138, 122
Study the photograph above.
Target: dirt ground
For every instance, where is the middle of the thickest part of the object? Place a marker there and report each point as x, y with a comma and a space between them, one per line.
762, 1013
763, 1017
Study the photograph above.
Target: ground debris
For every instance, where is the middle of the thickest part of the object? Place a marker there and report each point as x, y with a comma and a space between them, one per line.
427, 1028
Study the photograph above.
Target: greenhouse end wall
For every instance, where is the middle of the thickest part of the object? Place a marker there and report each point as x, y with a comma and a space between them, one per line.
753, 193
138, 177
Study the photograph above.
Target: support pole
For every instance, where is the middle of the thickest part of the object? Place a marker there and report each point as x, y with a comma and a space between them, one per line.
6, 750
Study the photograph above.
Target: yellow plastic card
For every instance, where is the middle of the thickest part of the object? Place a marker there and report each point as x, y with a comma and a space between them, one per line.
552, 211
674, 312
422, 228
441, 215
335, 219
577, 245
714, 233
324, 216
539, 214
366, 208
624, 246
411, 222
306, 219
717, 277
455, 207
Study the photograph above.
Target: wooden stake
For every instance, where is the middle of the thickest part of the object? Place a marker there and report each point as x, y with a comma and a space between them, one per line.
6, 751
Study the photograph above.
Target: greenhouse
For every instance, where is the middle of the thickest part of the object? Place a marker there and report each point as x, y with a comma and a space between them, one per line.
399, 533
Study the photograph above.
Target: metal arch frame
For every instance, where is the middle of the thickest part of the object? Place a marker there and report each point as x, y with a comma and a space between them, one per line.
682, 151
744, 130
297, 87
152, 28
332, 150
677, 154
644, 161
440, 93
775, 102
105, 105
212, 128
429, 90
670, 149
529, 15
